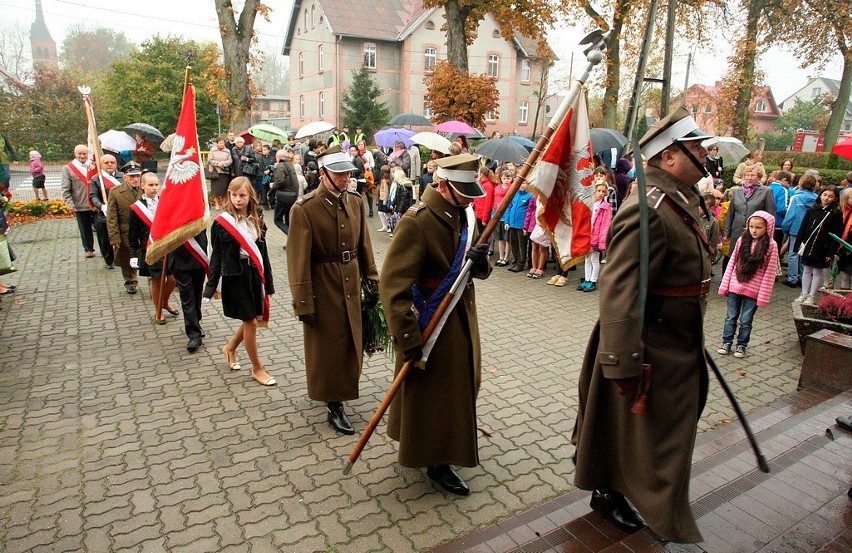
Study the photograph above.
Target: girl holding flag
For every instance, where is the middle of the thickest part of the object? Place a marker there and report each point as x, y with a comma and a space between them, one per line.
240, 259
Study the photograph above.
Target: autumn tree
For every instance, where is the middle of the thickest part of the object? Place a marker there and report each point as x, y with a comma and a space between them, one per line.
272, 74
829, 31
530, 18
148, 86
237, 31
93, 50
361, 107
14, 49
47, 116
458, 96
811, 115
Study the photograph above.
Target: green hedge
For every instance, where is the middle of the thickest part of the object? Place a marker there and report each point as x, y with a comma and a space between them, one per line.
829, 176
809, 160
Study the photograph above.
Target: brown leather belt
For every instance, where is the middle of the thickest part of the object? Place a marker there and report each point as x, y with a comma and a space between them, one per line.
343, 257
688, 291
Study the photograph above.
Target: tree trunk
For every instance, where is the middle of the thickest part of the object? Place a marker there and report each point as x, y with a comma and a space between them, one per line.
838, 107
613, 77
236, 42
748, 52
456, 40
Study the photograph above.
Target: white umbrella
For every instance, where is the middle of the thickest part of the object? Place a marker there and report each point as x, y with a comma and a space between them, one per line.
731, 149
433, 141
166, 146
117, 141
314, 128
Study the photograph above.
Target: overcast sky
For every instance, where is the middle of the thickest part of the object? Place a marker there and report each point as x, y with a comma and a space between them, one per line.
196, 19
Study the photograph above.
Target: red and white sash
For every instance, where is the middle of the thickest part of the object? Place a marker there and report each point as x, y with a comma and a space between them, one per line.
108, 180
79, 173
246, 241
191, 245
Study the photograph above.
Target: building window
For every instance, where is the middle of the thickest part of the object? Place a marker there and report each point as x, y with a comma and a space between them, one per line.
320, 56
493, 66
490, 116
302, 107
523, 113
708, 108
313, 16
369, 55
301, 64
321, 104
427, 110
525, 71
760, 107
495, 33
430, 25
430, 57
307, 21
816, 91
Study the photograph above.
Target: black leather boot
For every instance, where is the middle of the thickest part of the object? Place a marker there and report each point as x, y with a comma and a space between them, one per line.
614, 507
337, 418
447, 478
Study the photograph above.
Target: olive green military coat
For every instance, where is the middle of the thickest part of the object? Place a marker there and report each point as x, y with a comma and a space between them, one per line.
434, 414
647, 458
330, 290
118, 219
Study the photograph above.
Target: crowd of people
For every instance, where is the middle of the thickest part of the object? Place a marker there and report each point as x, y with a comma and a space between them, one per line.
322, 194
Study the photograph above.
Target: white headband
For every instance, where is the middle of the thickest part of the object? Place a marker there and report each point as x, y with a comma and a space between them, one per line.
457, 175
333, 158
668, 136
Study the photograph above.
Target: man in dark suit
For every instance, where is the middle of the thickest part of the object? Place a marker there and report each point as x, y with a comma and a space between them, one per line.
189, 275
111, 178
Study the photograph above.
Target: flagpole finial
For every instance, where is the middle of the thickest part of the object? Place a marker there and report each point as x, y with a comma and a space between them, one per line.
84, 90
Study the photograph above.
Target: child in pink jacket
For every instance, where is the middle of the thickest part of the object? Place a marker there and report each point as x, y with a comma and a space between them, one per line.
601, 219
749, 279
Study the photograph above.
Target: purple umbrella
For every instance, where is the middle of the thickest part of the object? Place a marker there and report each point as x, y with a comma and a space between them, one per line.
459, 127
386, 138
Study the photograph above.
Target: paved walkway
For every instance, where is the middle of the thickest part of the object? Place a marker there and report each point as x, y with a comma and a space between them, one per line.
113, 437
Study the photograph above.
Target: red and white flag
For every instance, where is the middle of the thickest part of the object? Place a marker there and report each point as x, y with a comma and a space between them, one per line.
182, 211
562, 181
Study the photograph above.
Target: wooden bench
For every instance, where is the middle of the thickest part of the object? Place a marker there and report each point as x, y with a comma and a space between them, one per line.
828, 361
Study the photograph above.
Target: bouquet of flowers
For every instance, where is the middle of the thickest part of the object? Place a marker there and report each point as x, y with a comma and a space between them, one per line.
375, 335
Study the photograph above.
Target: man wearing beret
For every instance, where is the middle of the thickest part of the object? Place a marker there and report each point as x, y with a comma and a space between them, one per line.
647, 458
329, 253
434, 414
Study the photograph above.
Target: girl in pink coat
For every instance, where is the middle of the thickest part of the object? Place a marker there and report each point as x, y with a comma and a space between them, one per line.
601, 219
749, 279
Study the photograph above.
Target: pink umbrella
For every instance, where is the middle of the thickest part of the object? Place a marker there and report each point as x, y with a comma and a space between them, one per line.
459, 127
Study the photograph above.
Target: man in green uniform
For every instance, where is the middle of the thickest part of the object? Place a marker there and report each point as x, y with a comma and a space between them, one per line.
329, 253
647, 458
434, 414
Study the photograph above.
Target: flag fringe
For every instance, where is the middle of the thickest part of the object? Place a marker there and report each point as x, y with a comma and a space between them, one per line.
175, 239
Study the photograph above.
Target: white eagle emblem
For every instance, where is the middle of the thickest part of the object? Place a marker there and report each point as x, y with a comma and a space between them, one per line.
181, 168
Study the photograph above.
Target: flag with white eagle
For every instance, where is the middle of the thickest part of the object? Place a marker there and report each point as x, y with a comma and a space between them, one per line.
182, 211
562, 182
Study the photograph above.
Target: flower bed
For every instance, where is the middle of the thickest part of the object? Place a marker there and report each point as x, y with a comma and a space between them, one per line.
831, 314
36, 210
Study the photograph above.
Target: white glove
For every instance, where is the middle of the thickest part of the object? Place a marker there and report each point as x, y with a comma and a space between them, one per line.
134, 262
206, 300
104, 209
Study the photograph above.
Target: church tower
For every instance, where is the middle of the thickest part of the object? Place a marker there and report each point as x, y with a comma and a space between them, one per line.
42, 44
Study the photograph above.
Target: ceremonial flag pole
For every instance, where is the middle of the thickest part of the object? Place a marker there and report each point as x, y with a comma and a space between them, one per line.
596, 42
93, 162
182, 211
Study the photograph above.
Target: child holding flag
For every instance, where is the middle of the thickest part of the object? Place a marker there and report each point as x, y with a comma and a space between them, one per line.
239, 258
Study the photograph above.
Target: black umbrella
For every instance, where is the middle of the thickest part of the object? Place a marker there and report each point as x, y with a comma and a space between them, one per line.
410, 119
151, 133
604, 139
502, 149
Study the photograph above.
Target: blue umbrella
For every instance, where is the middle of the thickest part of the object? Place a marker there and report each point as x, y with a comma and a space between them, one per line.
525, 142
386, 138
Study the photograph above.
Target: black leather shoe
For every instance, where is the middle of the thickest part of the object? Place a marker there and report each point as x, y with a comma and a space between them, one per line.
203, 334
789, 284
337, 419
516, 268
845, 423
447, 478
193, 345
612, 506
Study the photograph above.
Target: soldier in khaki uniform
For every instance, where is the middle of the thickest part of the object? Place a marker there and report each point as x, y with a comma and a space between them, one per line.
648, 458
434, 414
118, 221
329, 253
